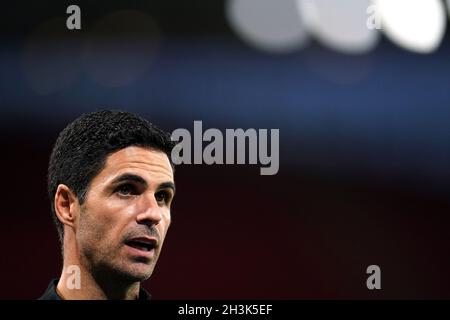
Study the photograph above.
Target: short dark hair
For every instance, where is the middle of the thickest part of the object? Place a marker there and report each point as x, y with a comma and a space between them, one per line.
81, 150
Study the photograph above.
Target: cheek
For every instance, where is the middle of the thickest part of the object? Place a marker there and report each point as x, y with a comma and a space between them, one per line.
91, 230
99, 224
165, 224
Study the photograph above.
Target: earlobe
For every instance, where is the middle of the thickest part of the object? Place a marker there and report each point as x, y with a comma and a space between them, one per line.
66, 205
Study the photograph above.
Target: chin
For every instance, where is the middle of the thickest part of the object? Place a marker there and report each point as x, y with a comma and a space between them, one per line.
137, 273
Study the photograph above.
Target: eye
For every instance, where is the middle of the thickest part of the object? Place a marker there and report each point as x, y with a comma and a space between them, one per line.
162, 197
126, 190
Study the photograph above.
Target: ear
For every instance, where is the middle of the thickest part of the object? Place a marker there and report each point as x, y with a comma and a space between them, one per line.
66, 205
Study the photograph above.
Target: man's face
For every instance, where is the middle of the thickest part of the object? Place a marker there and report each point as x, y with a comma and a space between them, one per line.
126, 214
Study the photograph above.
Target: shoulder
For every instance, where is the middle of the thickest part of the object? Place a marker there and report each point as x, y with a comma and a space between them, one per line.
50, 292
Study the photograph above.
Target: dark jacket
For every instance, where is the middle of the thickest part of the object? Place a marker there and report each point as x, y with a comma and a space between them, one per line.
51, 294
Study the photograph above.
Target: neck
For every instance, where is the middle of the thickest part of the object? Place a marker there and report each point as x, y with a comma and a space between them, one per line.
94, 288
78, 282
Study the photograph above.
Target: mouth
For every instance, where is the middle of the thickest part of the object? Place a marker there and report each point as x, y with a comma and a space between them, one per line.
142, 245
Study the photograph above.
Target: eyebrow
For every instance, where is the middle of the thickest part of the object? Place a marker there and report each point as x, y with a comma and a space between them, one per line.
130, 177
138, 179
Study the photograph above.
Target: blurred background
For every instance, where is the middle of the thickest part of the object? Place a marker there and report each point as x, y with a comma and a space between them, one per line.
363, 115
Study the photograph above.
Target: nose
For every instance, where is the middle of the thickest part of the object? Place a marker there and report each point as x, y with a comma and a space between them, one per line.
149, 211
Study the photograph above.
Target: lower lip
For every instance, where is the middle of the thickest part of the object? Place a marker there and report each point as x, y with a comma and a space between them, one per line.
141, 253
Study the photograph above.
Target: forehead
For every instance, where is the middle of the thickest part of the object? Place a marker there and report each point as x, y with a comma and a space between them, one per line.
150, 164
